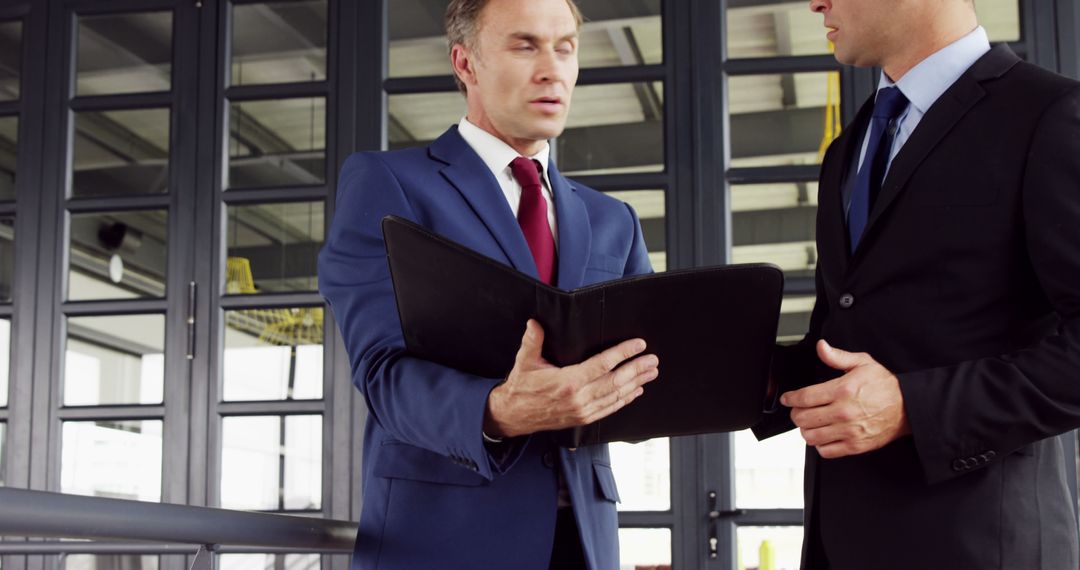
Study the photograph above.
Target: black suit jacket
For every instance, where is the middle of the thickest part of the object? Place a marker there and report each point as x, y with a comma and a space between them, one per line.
966, 284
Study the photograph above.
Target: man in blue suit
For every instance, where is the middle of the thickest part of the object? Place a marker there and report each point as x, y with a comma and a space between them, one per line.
460, 471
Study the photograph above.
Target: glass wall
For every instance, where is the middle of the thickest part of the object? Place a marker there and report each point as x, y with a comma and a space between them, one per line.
11, 57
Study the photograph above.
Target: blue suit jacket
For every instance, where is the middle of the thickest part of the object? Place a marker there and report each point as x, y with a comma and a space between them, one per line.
433, 494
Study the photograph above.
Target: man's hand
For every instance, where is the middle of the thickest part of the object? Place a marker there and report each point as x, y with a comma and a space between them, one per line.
861, 411
538, 396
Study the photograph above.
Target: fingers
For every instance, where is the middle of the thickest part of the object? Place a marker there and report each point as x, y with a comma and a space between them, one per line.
532, 343
616, 379
810, 418
812, 396
597, 398
615, 404
839, 359
606, 361
838, 449
823, 436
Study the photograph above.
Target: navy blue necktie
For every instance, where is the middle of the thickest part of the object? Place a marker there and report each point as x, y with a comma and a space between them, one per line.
889, 105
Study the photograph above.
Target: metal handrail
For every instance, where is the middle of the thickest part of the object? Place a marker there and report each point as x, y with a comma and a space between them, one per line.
41, 514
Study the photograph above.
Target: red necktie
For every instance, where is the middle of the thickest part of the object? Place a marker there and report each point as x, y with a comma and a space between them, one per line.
533, 217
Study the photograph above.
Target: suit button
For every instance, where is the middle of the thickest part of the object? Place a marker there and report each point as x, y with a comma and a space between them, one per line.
959, 465
847, 300
548, 460
990, 455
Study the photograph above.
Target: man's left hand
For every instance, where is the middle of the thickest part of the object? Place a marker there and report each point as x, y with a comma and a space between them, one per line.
861, 411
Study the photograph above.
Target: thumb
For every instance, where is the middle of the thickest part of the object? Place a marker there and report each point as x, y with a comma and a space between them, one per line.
836, 358
532, 343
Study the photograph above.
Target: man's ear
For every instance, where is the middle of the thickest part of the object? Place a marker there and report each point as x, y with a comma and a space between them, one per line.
463, 62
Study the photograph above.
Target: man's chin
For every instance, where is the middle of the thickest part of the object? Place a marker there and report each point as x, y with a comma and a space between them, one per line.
547, 130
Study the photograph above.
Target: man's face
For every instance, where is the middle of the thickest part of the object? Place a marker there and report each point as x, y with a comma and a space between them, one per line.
523, 69
863, 31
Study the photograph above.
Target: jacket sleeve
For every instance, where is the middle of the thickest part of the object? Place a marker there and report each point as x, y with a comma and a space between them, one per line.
973, 413
795, 366
416, 401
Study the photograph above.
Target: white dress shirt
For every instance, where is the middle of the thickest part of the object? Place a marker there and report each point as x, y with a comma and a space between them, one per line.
498, 155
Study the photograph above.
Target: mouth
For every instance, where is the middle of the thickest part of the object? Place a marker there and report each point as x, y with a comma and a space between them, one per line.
547, 104
831, 35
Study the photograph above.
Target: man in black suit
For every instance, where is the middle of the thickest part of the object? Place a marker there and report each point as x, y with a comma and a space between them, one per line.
948, 282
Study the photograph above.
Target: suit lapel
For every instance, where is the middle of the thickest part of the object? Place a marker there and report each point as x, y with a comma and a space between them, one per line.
466, 172
834, 180
575, 232
939, 120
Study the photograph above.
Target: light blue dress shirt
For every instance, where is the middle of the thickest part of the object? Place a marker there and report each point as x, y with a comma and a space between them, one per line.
925, 82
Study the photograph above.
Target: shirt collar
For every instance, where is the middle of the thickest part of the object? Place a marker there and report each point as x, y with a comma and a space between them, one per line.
495, 153
925, 82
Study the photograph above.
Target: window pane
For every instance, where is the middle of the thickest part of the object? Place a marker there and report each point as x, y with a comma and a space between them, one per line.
277, 143
650, 207
776, 547
769, 474
781, 119
417, 119
269, 562
124, 53
279, 42
7, 258
273, 354
418, 38
769, 28
9, 155
109, 458
613, 34
643, 475
614, 128
258, 451
3, 450
273, 248
1001, 18
794, 317
10, 60
644, 548
110, 562
620, 33
775, 223
114, 360
118, 255
5, 361
121, 153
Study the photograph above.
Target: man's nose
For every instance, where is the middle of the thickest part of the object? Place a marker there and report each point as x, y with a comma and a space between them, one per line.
549, 68
820, 5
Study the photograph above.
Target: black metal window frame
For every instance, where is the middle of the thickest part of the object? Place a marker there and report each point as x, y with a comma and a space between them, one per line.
30, 111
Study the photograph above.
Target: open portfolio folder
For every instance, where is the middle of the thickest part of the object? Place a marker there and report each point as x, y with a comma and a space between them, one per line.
713, 330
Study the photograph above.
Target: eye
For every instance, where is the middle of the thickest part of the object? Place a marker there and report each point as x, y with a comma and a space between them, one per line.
565, 48
523, 47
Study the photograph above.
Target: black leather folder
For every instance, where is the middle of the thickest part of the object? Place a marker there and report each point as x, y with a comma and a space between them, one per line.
713, 330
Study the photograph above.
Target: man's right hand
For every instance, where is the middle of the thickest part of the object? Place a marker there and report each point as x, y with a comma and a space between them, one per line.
539, 396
